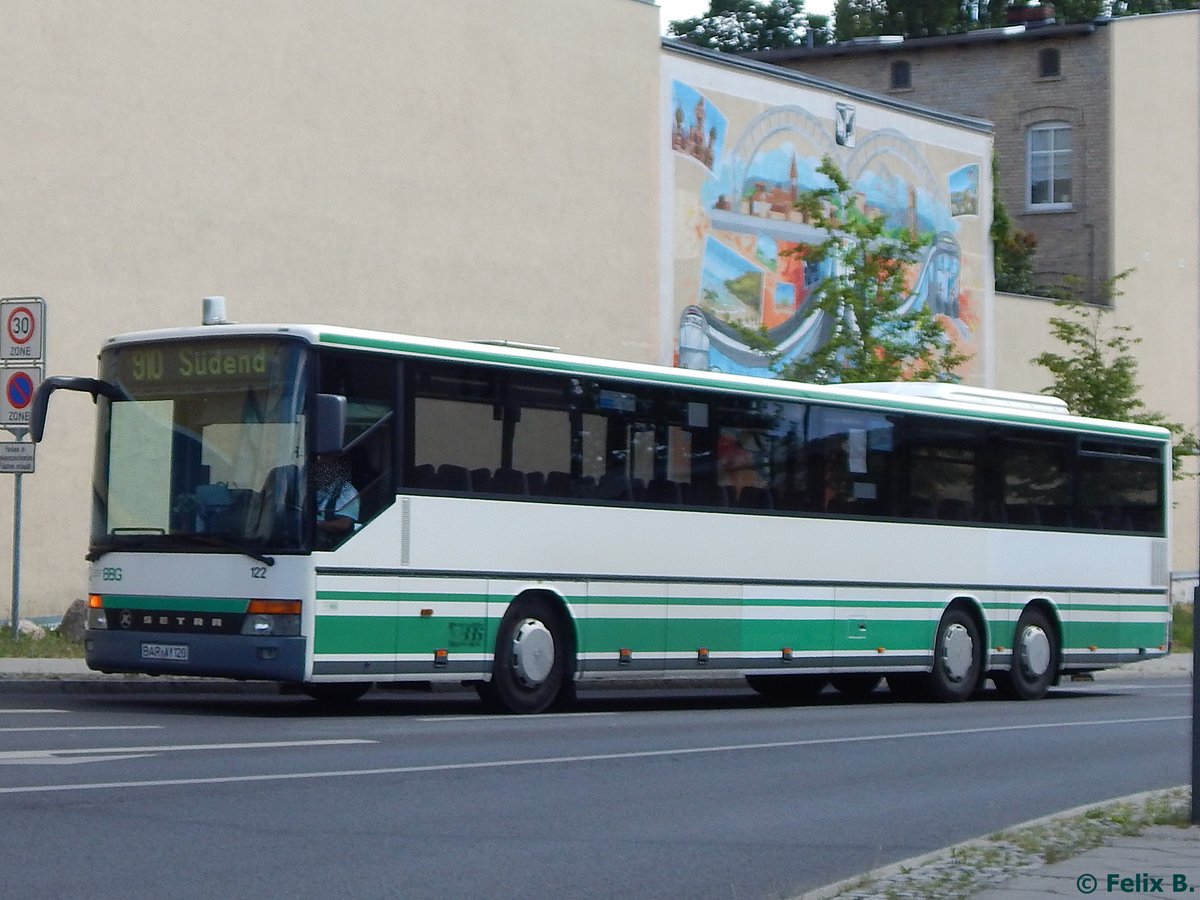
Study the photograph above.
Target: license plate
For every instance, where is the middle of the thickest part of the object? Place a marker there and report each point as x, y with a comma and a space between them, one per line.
178, 652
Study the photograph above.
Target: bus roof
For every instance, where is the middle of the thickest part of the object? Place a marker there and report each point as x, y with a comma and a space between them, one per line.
953, 400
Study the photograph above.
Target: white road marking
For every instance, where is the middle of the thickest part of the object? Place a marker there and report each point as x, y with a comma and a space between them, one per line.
491, 717
559, 760
81, 728
33, 756
61, 761
30, 711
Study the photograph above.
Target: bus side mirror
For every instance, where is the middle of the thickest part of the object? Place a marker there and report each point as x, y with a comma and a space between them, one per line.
41, 397
330, 424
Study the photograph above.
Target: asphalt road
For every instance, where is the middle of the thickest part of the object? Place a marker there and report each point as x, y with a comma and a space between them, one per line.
634, 794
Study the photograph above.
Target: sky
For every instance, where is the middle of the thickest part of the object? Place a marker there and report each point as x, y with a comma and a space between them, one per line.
670, 10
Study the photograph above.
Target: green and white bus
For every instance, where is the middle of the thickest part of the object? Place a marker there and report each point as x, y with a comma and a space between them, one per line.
526, 519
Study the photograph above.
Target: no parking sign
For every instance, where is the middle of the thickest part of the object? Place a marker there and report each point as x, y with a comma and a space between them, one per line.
17, 398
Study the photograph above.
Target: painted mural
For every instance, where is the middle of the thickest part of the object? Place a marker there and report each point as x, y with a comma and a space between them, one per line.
739, 251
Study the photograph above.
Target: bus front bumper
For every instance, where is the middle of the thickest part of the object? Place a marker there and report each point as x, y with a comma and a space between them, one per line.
197, 655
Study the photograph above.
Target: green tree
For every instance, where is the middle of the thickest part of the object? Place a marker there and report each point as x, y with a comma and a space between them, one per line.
1096, 374
924, 18
741, 26
858, 18
1012, 248
1073, 11
874, 333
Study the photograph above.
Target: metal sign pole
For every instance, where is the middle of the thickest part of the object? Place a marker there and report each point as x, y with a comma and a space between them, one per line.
1195, 713
16, 566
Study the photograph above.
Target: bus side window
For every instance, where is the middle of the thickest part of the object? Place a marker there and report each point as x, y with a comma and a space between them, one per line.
368, 384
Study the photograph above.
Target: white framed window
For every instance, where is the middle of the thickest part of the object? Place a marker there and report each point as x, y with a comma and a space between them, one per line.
1049, 158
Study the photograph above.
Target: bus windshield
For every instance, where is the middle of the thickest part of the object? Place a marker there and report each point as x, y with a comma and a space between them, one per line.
207, 449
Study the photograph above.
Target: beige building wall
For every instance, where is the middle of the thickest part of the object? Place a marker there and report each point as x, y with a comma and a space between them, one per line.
1156, 221
471, 170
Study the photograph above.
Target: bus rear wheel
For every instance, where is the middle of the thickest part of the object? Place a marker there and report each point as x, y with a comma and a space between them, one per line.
957, 657
1035, 658
531, 669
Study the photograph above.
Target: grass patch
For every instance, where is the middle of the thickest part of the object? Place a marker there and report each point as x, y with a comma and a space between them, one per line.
25, 646
1182, 621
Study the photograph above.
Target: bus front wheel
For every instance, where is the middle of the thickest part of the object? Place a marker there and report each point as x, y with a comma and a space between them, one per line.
957, 657
1035, 658
531, 668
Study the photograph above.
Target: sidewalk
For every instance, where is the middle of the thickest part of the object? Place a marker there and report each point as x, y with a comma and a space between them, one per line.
1163, 861
1159, 860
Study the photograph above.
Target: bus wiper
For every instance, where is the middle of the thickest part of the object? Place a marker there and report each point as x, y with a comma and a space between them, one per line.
227, 544
137, 539
155, 540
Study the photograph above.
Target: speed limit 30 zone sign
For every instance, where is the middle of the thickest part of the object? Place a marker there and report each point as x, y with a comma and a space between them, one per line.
23, 336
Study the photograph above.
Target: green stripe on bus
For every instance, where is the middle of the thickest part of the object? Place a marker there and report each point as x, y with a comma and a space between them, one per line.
1114, 634
379, 634
175, 604
403, 596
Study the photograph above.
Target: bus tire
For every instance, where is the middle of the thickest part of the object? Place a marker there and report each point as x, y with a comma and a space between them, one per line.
336, 693
788, 688
1035, 658
957, 657
856, 685
531, 667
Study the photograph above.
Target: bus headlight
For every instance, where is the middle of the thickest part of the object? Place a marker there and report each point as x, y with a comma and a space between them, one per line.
96, 618
272, 618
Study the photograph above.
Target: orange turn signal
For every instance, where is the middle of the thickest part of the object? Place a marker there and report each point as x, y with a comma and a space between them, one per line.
274, 607
95, 601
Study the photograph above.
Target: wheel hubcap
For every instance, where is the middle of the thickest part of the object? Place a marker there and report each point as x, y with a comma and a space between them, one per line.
533, 652
1035, 651
957, 652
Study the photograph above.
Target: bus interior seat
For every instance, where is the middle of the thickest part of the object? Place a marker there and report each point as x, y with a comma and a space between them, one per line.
751, 497
707, 494
614, 486
509, 481
664, 491
453, 478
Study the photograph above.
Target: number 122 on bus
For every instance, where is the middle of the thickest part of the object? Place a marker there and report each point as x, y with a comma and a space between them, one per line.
334, 508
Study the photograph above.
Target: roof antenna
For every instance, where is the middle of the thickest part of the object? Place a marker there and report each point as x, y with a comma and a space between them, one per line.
214, 311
